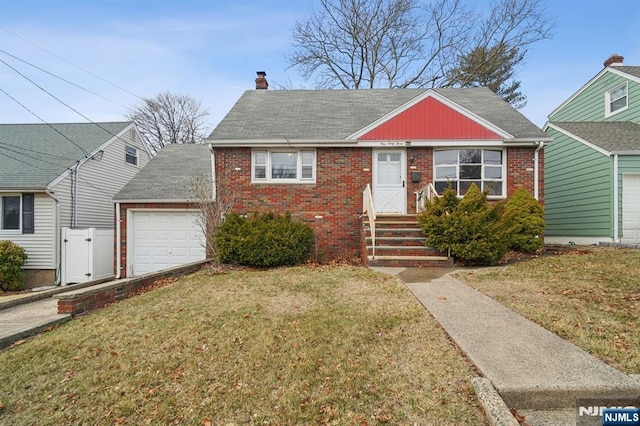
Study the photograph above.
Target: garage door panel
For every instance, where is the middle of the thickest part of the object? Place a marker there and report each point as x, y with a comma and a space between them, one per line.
165, 239
631, 208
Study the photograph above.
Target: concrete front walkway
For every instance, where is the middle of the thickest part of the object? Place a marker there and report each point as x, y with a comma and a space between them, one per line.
532, 369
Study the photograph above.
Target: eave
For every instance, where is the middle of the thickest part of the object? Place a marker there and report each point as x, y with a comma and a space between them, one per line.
352, 143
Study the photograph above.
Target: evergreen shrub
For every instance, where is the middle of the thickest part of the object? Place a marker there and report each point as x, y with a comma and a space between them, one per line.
12, 259
524, 222
267, 240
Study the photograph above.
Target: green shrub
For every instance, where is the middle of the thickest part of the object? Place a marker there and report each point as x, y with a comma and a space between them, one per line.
468, 227
266, 240
436, 220
12, 259
523, 218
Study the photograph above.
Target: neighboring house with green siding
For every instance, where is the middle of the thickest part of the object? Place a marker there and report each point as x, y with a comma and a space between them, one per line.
592, 167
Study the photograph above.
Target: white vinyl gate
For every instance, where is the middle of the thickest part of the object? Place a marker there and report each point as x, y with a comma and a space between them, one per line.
87, 254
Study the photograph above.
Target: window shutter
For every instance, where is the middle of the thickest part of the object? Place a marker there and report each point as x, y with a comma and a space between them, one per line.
28, 225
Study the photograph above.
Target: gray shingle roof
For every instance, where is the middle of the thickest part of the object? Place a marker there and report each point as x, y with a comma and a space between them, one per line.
610, 136
337, 114
169, 175
33, 155
632, 70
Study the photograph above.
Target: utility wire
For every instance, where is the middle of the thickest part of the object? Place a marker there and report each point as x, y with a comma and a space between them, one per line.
40, 118
72, 64
32, 165
59, 100
4, 143
63, 79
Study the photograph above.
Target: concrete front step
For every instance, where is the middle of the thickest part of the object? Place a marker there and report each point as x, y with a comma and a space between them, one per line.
400, 243
397, 250
397, 233
397, 241
410, 261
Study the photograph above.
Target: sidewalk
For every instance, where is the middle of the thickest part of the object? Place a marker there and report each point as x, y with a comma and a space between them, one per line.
20, 321
533, 370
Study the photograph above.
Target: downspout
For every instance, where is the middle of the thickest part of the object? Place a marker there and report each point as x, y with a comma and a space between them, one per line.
118, 247
74, 196
56, 231
616, 225
536, 168
74, 191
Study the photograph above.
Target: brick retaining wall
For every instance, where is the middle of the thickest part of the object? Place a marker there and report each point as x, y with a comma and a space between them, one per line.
83, 300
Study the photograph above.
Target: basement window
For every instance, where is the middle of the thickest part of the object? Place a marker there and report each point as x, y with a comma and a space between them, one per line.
287, 166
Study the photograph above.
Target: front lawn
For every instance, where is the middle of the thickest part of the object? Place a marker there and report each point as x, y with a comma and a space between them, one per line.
590, 297
325, 345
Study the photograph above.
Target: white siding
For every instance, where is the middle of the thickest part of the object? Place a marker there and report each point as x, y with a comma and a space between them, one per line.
98, 181
62, 191
39, 246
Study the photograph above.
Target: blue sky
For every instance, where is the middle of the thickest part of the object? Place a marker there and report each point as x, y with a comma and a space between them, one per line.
210, 50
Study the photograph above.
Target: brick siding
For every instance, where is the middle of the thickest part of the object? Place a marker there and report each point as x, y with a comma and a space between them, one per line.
333, 204
336, 196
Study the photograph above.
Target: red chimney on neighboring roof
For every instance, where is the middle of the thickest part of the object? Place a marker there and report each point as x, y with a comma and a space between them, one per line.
614, 59
261, 81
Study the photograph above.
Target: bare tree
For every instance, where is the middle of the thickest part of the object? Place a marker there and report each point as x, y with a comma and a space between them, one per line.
170, 118
213, 204
406, 43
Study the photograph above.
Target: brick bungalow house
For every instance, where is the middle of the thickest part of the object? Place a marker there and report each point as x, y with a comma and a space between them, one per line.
316, 153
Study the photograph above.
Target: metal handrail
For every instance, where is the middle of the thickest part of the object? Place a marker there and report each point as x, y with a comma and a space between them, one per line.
427, 192
369, 209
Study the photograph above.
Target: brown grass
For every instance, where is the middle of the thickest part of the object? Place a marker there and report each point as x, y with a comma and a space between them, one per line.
325, 345
589, 296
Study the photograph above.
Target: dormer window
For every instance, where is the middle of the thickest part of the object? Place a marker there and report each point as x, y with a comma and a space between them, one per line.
616, 100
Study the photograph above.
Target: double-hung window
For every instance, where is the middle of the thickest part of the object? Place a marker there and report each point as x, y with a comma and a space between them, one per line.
459, 168
283, 166
17, 212
131, 155
616, 100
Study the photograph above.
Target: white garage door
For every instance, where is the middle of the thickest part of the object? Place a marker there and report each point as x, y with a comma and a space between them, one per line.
631, 209
162, 239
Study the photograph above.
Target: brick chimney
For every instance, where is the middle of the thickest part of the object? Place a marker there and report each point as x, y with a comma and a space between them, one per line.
614, 59
261, 81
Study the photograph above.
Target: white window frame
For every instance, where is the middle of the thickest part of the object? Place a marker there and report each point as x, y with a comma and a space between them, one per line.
482, 179
17, 230
268, 170
136, 156
608, 100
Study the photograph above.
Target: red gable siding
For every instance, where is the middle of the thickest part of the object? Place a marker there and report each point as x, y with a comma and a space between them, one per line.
430, 119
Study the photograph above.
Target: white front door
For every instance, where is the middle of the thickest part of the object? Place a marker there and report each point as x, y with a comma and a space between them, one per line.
389, 171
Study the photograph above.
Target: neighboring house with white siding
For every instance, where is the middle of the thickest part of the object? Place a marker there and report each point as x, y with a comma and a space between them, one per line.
63, 175
592, 167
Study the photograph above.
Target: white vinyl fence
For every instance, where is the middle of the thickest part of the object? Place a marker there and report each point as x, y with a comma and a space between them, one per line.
87, 254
